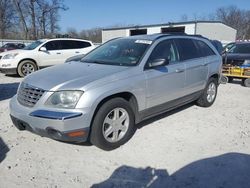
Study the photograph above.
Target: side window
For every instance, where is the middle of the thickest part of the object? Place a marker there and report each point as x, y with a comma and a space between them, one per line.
187, 49
67, 44
165, 50
53, 45
73, 44
204, 48
81, 44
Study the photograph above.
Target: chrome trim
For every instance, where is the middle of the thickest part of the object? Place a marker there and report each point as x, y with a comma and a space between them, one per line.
55, 115
29, 95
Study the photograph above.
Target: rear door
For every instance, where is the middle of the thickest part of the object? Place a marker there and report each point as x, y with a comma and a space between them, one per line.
74, 47
83, 47
165, 83
195, 63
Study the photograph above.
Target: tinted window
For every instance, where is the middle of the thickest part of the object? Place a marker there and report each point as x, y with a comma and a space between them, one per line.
240, 48
165, 50
81, 44
187, 49
67, 44
203, 48
53, 45
73, 44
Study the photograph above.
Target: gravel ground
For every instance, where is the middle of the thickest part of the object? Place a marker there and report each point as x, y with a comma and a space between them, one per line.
187, 147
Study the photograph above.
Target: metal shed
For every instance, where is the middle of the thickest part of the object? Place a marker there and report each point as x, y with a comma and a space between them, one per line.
215, 30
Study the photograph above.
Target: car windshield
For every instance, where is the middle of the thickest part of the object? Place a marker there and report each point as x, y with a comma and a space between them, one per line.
240, 48
123, 52
33, 45
8, 45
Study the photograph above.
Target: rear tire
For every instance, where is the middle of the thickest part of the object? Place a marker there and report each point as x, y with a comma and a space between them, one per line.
209, 94
113, 124
26, 67
246, 82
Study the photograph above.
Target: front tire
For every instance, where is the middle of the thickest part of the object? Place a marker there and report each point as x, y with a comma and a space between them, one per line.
209, 94
26, 67
113, 124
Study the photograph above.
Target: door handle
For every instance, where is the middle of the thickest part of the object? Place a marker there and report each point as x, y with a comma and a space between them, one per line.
179, 70
205, 64
58, 53
77, 52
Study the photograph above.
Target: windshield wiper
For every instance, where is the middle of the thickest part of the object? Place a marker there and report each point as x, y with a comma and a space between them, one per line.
95, 61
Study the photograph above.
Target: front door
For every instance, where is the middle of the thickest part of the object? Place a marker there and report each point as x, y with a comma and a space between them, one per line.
53, 55
164, 83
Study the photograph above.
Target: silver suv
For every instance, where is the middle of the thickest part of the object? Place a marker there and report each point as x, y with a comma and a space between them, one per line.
122, 82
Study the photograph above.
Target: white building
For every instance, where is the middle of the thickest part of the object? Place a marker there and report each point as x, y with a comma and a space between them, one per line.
214, 30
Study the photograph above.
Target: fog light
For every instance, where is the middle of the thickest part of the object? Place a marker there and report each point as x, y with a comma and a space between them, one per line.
54, 133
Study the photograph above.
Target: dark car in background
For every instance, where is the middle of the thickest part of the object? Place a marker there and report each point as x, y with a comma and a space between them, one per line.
238, 54
11, 46
236, 62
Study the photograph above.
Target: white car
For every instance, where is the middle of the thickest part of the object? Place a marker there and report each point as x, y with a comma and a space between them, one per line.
42, 53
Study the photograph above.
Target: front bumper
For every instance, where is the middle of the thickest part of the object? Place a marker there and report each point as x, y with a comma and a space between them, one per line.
63, 126
8, 70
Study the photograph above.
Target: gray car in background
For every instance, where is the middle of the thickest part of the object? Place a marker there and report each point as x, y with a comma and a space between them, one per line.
119, 84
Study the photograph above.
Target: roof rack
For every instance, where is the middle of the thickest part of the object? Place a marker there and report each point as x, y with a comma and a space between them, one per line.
180, 34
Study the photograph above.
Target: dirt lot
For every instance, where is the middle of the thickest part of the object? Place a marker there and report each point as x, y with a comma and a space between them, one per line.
188, 147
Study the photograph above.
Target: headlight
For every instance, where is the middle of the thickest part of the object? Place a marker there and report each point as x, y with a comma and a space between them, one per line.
64, 99
10, 56
246, 62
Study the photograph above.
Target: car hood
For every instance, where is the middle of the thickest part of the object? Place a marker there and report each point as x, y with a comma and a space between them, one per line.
13, 52
72, 75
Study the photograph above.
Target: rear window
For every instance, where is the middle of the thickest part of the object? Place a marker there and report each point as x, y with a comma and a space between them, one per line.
203, 48
187, 49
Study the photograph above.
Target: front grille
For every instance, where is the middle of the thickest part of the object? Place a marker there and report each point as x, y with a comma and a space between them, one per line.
29, 95
0, 57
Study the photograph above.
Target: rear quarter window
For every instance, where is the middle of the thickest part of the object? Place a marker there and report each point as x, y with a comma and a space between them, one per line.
82, 44
74, 44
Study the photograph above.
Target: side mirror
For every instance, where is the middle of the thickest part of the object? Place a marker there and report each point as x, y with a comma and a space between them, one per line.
158, 63
43, 49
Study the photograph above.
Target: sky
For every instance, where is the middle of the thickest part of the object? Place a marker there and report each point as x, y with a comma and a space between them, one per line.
86, 14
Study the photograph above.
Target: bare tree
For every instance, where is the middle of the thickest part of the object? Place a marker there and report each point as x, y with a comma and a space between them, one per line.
236, 18
49, 15
20, 4
72, 32
33, 18
6, 17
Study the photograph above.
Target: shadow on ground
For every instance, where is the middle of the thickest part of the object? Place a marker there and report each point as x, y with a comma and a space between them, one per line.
8, 90
3, 150
225, 171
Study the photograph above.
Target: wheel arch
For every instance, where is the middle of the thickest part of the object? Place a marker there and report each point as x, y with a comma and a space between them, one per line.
216, 76
128, 96
28, 59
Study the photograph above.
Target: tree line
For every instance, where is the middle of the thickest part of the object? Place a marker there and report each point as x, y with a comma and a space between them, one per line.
29, 19
33, 19
232, 16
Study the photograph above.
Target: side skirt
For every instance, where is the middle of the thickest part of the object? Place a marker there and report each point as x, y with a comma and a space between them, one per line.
159, 109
